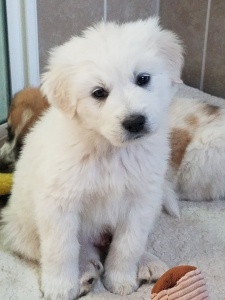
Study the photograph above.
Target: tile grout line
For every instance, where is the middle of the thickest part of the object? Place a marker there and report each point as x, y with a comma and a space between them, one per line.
105, 11
157, 7
205, 45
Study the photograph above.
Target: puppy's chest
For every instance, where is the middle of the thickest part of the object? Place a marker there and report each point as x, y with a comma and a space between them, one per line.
107, 187
108, 184
102, 177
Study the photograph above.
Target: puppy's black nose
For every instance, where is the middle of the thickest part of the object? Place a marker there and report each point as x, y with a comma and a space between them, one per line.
135, 123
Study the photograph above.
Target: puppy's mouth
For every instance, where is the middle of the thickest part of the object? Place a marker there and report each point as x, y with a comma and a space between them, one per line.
137, 136
126, 138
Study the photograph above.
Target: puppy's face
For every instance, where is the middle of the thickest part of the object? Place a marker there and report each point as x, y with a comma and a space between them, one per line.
122, 100
117, 80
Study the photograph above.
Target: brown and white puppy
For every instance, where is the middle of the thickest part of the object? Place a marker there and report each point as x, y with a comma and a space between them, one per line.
197, 135
27, 106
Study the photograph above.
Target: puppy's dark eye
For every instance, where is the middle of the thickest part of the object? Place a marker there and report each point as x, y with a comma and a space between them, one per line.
100, 93
143, 79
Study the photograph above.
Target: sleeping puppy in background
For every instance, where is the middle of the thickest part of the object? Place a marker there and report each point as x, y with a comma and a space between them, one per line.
26, 108
197, 135
96, 160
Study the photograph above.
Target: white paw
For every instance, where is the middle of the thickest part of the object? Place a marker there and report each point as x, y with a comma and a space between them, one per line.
59, 288
120, 283
150, 268
89, 277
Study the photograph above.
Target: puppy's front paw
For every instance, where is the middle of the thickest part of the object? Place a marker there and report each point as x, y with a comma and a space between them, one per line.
59, 288
150, 268
120, 283
91, 273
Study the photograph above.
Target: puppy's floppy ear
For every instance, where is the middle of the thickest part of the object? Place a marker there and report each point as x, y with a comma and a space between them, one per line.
171, 50
55, 83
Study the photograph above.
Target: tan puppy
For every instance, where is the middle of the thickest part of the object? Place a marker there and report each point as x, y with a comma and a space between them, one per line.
27, 106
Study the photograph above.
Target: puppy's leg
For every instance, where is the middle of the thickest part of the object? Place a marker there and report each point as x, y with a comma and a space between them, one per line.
150, 268
127, 247
19, 233
90, 266
170, 199
59, 247
170, 195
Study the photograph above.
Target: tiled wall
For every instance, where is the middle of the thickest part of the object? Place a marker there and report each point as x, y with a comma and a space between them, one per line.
199, 23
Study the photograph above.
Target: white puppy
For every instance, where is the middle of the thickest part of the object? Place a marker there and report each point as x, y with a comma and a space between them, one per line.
96, 160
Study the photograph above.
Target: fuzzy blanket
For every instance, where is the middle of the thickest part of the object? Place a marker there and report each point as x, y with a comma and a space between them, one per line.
198, 239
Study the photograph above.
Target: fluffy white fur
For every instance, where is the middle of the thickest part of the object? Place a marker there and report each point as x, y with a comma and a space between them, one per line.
81, 172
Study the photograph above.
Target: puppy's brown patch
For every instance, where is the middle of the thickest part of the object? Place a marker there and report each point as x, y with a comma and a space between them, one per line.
211, 110
179, 140
192, 120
